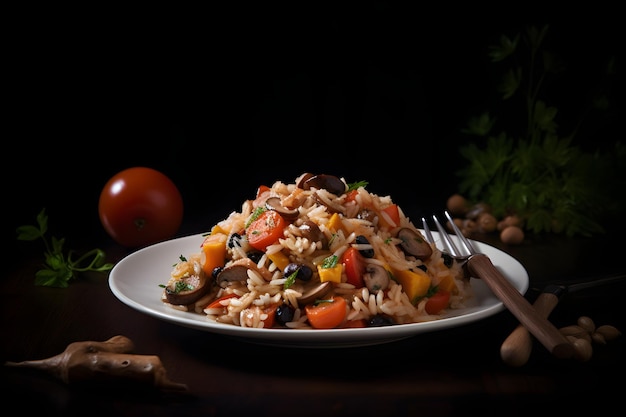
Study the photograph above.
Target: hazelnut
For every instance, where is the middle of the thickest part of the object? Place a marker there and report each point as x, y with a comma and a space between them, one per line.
457, 205
512, 235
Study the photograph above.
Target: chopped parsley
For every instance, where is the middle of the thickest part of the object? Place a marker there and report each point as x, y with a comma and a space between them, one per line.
255, 215
180, 286
290, 279
330, 262
355, 185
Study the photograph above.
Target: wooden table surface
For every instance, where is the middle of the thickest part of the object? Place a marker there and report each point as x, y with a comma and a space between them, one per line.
449, 372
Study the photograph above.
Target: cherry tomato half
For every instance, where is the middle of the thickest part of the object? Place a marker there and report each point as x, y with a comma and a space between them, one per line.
266, 230
140, 206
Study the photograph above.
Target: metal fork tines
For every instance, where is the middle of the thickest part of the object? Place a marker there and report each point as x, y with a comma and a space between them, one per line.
480, 266
446, 240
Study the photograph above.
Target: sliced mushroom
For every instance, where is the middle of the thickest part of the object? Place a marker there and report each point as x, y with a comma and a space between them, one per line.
314, 293
303, 180
413, 243
273, 203
329, 183
200, 285
376, 278
311, 231
238, 271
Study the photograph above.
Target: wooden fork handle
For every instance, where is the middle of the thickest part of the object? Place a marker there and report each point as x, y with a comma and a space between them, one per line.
480, 266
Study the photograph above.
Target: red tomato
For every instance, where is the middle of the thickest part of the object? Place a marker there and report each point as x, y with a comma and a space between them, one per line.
265, 230
437, 302
354, 266
140, 206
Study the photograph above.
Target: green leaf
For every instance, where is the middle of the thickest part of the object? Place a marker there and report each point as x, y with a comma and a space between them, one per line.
536, 36
49, 278
42, 221
479, 126
55, 261
28, 232
544, 117
505, 49
510, 83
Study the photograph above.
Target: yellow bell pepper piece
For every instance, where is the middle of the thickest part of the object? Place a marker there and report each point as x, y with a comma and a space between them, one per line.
414, 283
330, 274
280, 259
335, 224
213, 252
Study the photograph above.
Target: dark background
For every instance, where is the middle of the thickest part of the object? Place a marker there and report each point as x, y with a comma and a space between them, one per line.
228, 99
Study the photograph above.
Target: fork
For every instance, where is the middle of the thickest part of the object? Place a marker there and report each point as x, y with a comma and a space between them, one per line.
479, 265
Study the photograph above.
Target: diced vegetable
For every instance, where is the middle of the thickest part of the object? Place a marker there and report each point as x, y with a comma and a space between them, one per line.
354, 265
261, 190
262, 193
335, 224
351, 195
437, 302
213, 252
218, 229
264, 316
414, 283
280, 259
270, 310
326, 314
332, 274
218, 302
390, 216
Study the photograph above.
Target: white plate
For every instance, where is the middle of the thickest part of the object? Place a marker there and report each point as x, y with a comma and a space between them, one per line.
135, 281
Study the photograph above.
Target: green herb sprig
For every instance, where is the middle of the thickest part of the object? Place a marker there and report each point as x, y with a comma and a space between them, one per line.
290, 280
58, 270
255, 215
356, 185
529, 168
330, 262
